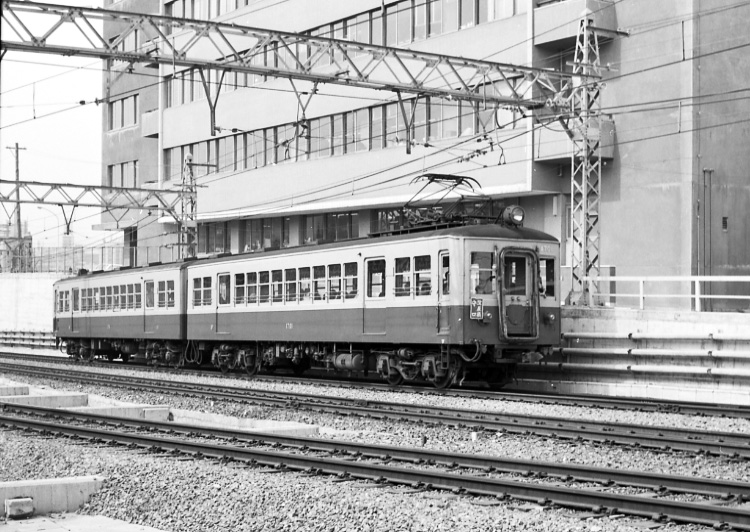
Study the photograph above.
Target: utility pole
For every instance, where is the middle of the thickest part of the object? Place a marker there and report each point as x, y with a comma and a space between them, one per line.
18, 248
16, 148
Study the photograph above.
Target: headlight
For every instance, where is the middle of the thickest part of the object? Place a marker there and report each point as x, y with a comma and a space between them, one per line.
513, 215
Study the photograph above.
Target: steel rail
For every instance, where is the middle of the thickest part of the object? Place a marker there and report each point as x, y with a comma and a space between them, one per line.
568, 472
661, 509
726, 444
592, 401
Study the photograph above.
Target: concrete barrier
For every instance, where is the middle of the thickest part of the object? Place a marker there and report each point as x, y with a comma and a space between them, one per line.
53, 495
58, 400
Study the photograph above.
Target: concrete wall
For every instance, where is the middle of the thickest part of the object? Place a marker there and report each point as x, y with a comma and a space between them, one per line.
27, 301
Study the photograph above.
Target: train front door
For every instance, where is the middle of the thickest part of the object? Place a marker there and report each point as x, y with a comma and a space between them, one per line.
519, 314
373, 319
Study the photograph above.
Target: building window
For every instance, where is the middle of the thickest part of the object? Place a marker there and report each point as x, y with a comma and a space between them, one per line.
213, 238
123, 112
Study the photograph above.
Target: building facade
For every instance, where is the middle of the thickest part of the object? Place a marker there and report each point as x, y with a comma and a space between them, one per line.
288, 163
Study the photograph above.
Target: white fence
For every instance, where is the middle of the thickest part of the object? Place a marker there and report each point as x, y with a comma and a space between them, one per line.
701, 292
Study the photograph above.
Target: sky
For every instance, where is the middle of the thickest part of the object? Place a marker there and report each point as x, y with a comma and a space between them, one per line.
40, 110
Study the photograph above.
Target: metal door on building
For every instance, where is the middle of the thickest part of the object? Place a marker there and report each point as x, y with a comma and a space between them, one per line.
518, 316
374, 309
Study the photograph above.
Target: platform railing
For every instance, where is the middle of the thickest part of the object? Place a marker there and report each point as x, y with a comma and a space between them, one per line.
71, 259
34, 339
698, 292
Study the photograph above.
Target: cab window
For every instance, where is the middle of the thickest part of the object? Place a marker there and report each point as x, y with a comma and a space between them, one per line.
482, 268
547, 277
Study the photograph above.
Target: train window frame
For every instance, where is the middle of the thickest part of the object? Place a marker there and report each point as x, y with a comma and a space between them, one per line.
109, 298
131, 297
207, 298
170, 294
478, 275
422, 275
373, 275
76, 300
351, 284
251, 287
116, 297
197, 292
547, 277
277, 286
123, 297
334, 282
138, 294
290, 288
264, 286
319, 283
239, 289
515, 280
402, 276
161, 294
223, 289
95, 300
304, 282
150, 299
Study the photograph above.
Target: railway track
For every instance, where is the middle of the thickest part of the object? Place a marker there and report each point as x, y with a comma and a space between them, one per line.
588, 401
730, 445
427, 470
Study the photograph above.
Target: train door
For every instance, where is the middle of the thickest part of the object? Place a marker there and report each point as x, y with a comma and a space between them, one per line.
223, 302
518, 294
444, 290
149, 319
373, 319
75, 308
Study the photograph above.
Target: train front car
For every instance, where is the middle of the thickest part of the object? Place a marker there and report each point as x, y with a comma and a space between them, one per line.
496, 303
435, 305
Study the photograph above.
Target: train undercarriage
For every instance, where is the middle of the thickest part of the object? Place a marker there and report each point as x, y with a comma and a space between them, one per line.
441, 365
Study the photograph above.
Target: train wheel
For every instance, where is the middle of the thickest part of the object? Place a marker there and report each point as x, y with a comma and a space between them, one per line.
395, 378
454, 368
251, 369
224, 368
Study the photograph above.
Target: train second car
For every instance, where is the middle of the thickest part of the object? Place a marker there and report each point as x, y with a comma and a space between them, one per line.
438, 305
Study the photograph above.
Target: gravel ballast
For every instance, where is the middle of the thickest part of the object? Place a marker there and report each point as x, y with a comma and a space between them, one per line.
186, 495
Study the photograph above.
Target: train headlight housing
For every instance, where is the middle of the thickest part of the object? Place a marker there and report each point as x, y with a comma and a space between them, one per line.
513, 215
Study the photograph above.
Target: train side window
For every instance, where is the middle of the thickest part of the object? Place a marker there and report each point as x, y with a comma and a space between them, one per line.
76, 304
290, 276
334, 281
109, 298
225, 289
102, 299
376, 278
170, 294
123, 296
547, 277
422, 275
59, 298
162, 294
89, 299
149, 294
263, 279
252, 287
239, 288
304, 284
197, 292
482, 272
319, 282
138, 295
206, 291
445, 274
403, 274
95, 300
131, 299
277, 282
116, 297
350, 280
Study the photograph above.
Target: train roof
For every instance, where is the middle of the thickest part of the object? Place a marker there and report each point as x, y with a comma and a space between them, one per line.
498, 231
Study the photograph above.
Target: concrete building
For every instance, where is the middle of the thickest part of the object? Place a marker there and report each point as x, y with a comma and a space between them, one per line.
278, 172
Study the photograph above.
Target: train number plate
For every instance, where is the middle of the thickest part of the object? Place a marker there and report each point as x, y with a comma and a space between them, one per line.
477, 309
